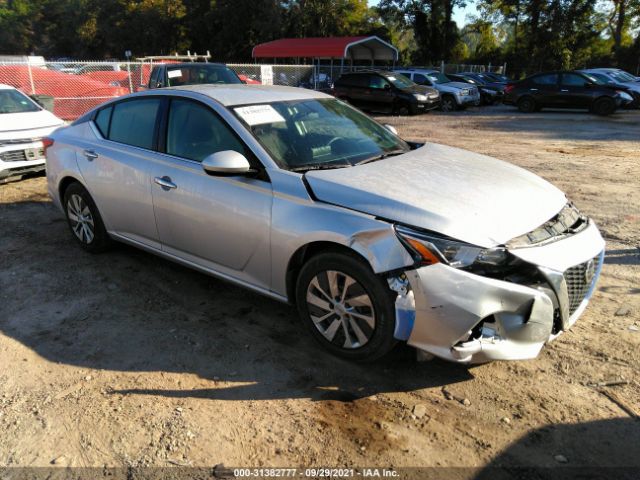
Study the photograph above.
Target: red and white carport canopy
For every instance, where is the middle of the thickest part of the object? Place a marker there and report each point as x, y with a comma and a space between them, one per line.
348, 48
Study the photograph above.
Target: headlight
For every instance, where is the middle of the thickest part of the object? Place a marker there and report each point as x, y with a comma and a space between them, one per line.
430, 248
419, 97
625, 96
464, 92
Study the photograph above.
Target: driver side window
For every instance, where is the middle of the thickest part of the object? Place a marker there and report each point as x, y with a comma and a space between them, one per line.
195, 132
377, 82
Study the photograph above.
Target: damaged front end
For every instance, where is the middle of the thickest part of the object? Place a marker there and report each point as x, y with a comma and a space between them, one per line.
471, 305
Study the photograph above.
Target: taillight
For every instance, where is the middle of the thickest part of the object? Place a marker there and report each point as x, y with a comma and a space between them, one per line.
509, 88
46, 143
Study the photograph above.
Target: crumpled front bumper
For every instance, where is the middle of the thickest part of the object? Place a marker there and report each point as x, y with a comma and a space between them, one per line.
467, 318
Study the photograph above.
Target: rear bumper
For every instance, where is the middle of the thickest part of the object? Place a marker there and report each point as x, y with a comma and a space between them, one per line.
467, 318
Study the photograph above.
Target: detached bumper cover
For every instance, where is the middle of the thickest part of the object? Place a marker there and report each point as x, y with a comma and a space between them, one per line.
468, 318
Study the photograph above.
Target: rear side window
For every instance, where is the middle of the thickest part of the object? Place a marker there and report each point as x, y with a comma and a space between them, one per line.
195, 132
354, 80
550, 79
133, 122
102, 121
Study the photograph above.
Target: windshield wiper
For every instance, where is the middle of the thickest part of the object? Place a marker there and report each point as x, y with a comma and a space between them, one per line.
319, 166
382, 156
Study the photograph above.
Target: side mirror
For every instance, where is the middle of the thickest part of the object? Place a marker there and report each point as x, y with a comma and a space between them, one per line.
387, 86
391, 128
227, 162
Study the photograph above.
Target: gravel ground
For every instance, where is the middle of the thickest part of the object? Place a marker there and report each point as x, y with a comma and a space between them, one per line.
125, 359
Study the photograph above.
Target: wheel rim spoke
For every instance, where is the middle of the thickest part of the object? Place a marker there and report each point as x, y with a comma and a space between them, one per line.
367, 318
313, 299
330, 332
362, 338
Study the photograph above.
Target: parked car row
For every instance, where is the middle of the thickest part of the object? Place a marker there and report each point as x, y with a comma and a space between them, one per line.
601, 91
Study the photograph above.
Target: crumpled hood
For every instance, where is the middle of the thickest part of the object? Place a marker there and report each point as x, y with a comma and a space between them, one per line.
464, 195
14, 125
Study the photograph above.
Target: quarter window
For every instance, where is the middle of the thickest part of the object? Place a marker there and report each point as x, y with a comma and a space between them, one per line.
133, 122
195, 132
102, 121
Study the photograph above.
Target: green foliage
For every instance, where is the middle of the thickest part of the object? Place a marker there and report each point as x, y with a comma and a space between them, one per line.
529, 35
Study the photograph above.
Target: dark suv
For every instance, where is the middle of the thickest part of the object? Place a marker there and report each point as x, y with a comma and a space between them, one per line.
564, 90
176, 74
386, 92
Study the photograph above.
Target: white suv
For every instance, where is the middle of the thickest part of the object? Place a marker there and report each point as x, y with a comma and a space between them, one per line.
23, 123
454, 95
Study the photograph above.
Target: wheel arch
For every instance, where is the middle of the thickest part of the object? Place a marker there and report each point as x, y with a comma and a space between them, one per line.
64, 184
303, 254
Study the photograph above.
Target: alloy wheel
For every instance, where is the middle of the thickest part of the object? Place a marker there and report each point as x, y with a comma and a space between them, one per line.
448, 105
341, 309
80, 218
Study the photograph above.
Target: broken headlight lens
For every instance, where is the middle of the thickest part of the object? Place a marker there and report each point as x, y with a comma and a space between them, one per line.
432, 248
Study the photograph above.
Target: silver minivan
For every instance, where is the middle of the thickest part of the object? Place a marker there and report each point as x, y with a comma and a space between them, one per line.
296, 195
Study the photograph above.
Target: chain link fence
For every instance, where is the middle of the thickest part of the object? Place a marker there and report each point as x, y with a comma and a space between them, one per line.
71, 88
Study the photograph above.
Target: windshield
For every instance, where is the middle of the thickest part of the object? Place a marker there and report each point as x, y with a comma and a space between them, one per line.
622, 76
597, 78
399, 80
318, 134
437, 77
12, 101
198, 74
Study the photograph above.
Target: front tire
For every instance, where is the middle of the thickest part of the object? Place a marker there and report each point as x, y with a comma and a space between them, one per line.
448, 103
604, 106
348, 309
84, 219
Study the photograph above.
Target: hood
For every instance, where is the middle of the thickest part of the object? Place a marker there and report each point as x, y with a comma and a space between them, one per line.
464, 195
421, 89
17, 125
456, 85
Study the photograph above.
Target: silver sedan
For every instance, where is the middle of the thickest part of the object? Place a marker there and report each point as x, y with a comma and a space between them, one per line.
298, 196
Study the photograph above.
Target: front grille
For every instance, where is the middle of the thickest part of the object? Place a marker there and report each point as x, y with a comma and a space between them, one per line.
579, 281
13, 156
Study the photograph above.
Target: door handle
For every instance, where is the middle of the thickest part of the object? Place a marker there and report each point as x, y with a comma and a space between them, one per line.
533, 89
90, 155
564, 90
165, 182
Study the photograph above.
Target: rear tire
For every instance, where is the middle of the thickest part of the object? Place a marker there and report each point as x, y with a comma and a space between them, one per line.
527, 105
604, 106
84, 219
349, 310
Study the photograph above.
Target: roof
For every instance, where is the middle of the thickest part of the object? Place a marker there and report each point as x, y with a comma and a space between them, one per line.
356, 48
240, 94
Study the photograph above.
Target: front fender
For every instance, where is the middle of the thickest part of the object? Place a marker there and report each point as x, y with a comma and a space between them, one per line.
299, 220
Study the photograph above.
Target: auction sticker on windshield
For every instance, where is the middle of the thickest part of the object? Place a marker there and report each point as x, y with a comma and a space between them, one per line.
259, 114
174, 73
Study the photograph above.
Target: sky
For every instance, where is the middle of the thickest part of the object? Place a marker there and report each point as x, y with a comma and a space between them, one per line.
459, 14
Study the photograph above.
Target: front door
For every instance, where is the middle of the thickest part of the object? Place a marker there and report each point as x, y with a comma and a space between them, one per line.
220, 223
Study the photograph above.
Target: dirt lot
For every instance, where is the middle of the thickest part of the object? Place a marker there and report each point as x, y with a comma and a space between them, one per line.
125, 359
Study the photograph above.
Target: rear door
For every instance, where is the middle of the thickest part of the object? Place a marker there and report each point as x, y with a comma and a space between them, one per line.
545, 89
116, 167
357, 87
219, 222
574, 92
